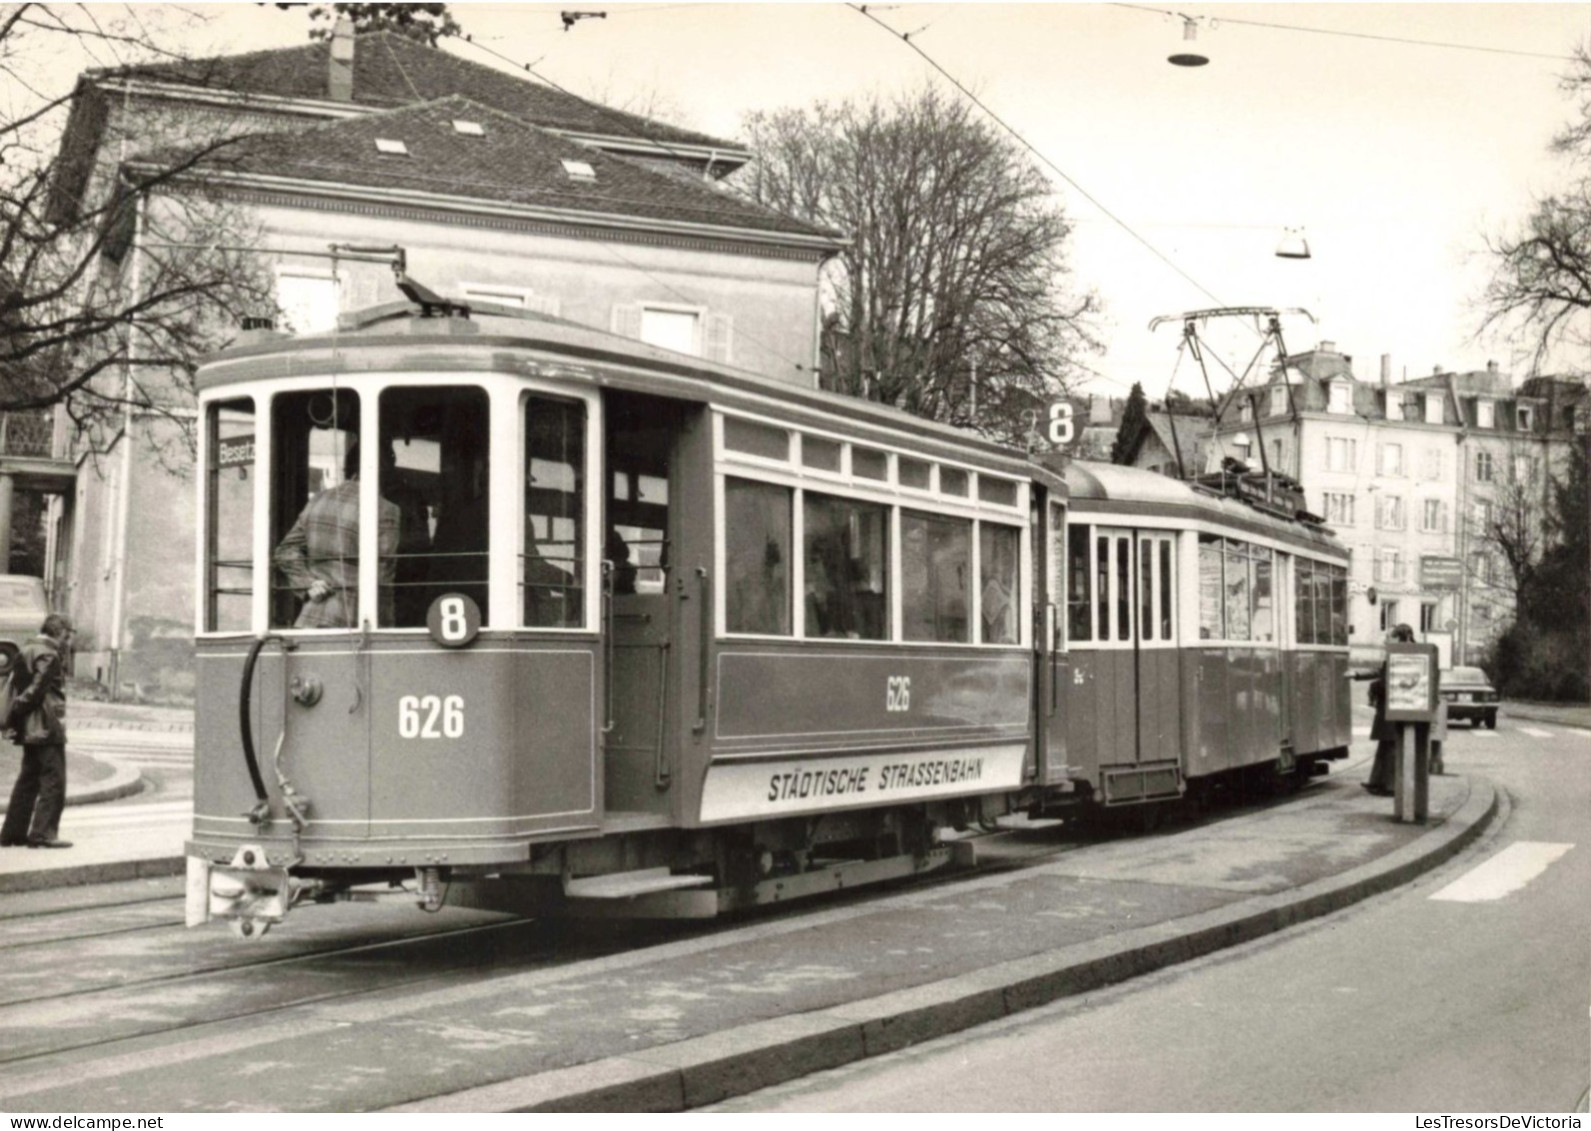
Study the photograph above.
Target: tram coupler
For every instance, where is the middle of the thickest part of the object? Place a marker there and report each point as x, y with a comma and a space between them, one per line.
249, 892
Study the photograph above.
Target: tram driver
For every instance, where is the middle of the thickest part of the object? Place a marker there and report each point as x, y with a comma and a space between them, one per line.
320, 554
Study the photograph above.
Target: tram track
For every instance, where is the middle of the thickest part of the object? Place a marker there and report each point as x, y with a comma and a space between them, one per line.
158, 986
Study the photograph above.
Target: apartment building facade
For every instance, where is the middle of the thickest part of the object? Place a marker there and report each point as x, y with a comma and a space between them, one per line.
1421, 478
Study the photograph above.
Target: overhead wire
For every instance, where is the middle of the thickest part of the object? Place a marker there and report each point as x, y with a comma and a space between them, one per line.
905, 37
1405, 40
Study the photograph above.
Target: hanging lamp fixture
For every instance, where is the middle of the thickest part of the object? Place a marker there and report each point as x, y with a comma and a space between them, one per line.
1189, 56
1293, 245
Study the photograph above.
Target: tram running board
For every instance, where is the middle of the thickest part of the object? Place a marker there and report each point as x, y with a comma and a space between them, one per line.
628, 885
656, 894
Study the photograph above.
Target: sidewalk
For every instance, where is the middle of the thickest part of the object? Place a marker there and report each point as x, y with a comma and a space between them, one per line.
762, 999
116, 842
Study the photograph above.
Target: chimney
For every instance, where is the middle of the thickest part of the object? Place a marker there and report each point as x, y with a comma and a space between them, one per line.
1386, 371
340, 73
1491, 367
1328, 347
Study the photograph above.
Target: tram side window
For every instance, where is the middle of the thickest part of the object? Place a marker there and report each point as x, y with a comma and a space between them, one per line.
636, 543
229, 518
1079, 596
999, 565
757, 536
1339, 605
553, 564
1304, 598
1167, 588
847, 561
936, 557
1212, 603
1237, 583
438, 479
315, 512
1264, 618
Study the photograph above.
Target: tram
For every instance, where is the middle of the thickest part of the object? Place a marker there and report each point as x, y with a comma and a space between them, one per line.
628, 632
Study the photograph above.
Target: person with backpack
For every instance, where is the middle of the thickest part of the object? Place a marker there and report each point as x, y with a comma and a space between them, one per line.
37, 720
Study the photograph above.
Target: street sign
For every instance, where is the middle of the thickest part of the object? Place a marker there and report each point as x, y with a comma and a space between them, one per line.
1441, 573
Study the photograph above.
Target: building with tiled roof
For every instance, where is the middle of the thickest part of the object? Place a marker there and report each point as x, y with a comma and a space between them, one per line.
1410, 475
496, 188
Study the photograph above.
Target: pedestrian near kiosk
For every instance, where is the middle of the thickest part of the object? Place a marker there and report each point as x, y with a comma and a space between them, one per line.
37, 720
1384, 733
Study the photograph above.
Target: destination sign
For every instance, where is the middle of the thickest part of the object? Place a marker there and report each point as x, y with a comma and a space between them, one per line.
735, 791
234, 451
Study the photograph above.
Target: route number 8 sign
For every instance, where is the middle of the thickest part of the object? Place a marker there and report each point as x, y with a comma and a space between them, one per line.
454, 620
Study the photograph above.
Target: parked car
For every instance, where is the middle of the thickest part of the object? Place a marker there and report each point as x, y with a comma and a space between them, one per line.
22, 610
1469, 695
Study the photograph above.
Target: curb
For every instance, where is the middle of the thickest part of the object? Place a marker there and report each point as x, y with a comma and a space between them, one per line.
108, 872
704, 1070
1509, 712
124, 781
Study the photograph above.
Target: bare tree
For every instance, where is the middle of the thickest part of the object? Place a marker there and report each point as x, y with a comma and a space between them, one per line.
1541, 279
118, 270
1512, 530
951, 300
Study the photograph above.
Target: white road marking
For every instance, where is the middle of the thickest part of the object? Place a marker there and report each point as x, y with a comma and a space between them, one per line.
1537, 732
1484, 733
1504, 874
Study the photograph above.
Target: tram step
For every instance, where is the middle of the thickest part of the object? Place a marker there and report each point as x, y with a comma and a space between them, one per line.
625, 885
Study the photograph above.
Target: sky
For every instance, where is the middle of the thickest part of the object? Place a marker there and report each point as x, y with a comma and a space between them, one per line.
1394, 155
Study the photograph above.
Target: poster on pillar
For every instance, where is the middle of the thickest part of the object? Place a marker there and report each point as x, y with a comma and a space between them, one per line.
1412, 683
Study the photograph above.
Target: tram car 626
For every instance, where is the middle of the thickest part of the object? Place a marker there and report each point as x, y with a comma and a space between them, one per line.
502, 611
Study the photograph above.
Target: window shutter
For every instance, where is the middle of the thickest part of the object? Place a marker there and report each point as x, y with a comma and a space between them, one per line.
719, 338
627, 320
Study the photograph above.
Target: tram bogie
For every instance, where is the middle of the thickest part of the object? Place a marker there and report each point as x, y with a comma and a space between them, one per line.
513, 613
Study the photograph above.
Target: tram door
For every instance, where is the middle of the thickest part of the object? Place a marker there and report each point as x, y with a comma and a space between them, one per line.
1125, 690
640, 463
1054, 668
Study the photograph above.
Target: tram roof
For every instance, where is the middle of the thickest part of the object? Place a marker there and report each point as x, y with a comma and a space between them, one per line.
1114, 488
390, 337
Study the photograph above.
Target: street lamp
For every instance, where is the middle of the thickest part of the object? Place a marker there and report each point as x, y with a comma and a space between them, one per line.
1188, 56
1293, 245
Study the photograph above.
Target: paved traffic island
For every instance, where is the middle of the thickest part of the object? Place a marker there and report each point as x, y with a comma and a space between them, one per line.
703, 1018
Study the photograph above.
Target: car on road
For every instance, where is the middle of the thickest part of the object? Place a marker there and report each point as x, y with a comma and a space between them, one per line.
1469, 695
23, 608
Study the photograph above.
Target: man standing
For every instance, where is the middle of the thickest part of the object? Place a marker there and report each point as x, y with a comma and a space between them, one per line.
38, 720
320, 554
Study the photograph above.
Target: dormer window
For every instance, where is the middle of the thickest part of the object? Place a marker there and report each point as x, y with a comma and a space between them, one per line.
1278, 400
1340, 398
1525, 418
1485, 414
1394, 407
1245, 410
1433, 408
467, 128
579, 170
391, 145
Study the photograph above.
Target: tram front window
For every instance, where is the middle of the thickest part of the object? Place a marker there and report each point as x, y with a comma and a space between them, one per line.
229, 516
553, 563
438, 479
315, 511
